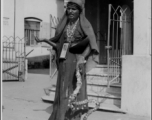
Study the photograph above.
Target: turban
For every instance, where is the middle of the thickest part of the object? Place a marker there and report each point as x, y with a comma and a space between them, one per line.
86, 27
78, 2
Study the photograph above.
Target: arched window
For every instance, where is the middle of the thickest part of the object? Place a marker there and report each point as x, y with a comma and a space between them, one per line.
32, 28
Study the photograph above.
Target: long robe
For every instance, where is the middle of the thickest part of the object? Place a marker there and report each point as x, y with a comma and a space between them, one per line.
66, 82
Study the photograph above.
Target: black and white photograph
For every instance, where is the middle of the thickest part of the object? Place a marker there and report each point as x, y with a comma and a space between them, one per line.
75, 59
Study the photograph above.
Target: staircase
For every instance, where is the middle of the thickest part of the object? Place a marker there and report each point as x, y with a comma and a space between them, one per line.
109, 97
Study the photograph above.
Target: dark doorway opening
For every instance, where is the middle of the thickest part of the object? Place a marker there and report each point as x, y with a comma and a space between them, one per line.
96, 12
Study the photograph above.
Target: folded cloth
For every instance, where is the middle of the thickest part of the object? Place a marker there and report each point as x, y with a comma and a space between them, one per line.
78, 48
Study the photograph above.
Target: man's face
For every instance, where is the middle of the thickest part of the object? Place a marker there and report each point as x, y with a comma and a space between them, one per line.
73, 12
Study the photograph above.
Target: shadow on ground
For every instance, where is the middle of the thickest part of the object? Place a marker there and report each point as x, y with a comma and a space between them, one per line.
39, 71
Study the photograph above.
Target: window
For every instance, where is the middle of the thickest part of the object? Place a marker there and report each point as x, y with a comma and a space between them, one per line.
29, 36
32, 29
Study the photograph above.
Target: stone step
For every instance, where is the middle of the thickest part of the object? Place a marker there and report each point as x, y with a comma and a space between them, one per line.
100, 82
102, 74
97, 80
105, 66
116, 85
98, 92
108, 107
98, 71
93, 80
101, 91
105, 100
100, 79
104, 106
102, 70
98, 87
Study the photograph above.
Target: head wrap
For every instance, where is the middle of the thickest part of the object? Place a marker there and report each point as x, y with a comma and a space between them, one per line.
78, 2
76, 5
85, 25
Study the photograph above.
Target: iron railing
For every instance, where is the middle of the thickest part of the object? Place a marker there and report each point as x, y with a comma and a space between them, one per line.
119, 40
13, 58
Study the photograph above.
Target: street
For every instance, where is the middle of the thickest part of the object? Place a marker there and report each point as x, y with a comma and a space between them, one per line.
22, 101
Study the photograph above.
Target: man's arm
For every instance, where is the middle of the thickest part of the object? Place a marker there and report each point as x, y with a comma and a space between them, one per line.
46, 41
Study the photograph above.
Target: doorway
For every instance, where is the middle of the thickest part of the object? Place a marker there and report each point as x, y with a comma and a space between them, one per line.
97, 13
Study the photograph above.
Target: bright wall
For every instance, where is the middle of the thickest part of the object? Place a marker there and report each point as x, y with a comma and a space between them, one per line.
136, 68
136, 85
142, 27
42, 9
8, 18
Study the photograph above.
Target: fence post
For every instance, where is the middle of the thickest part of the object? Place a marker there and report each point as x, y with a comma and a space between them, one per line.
26, 69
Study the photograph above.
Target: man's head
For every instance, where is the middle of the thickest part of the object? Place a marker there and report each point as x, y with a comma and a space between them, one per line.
73, 11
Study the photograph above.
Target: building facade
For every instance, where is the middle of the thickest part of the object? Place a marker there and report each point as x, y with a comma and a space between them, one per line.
18, 15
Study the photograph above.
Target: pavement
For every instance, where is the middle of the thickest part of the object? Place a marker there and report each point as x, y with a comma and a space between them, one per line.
22, 101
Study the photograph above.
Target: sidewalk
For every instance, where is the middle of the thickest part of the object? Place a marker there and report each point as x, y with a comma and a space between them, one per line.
22, 101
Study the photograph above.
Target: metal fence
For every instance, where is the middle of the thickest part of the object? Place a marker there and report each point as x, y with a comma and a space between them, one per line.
119, 40
13, 56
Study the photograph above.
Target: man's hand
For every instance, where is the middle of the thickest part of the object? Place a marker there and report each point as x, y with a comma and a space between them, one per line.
80, 61
46, 41
39, 40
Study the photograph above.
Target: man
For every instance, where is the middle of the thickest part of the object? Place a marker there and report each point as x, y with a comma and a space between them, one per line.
75, 32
